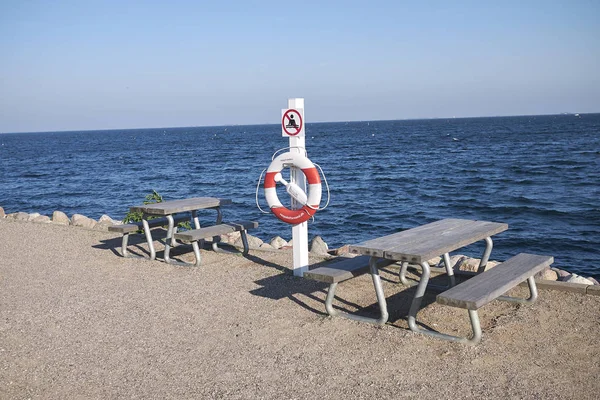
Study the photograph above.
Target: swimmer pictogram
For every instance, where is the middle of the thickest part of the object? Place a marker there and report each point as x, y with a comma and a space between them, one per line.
291, 122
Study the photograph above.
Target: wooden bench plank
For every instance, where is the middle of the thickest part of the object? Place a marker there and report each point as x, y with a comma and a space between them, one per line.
408, 236
487, 286
183, 205
153, 223
215, 230
340, 271
425, 242
446, 240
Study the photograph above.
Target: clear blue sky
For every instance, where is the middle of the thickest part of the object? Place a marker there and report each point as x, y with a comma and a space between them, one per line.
78, 65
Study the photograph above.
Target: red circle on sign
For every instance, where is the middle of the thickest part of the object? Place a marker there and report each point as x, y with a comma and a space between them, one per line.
299, 127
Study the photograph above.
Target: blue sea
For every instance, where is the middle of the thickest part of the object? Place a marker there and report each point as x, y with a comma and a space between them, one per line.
539, 174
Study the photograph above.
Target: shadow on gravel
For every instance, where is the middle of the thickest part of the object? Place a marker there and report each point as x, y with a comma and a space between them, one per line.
285, 285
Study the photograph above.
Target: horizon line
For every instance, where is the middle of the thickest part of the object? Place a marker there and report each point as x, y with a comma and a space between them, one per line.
308, 123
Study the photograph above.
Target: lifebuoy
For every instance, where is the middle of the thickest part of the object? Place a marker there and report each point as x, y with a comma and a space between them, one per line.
314, 188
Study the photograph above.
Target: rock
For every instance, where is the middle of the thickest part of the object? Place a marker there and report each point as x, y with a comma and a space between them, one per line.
594, 281
105, 220
579, 279
42, 219
435, 262
562, 275
2, 214
19, 216
33, 216
253, 242
267, 246
472, 264
467, 264
231, 238
455, 261
547, 274
59, 217
318, 246
82, 221
278, 242
344, 250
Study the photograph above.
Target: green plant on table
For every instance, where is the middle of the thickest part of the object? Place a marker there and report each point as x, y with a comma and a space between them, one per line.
151, 198
137, 216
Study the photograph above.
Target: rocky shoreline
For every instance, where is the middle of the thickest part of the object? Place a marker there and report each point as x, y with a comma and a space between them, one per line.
317, 245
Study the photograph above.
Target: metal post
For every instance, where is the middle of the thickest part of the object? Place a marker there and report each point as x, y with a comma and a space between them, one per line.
299, 231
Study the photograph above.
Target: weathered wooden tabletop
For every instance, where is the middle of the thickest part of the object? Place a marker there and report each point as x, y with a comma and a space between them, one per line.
178, 206
425, 242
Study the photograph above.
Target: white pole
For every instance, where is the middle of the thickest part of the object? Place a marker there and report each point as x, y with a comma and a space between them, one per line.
299, 231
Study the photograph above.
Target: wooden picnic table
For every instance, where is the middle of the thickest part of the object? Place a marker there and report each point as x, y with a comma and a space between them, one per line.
169, 208
421, 244
178, 206
418, 246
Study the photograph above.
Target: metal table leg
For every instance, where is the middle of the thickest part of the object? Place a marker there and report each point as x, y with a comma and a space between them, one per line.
374, 271
413, 282
449, 271
195, 218
171, 229
416, 305
486, 254
149, 238
216, 239
533, 294
402, 275
169, 238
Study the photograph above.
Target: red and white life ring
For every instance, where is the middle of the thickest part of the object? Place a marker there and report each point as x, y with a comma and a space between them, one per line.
313, 179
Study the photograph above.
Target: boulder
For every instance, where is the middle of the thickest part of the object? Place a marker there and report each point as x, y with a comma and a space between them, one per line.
42, 219
344, 250
318, 246
33, 216
231, 238
466, 264
105, 220
82, 221
2, 214
594, 281
267, 246
562, 275
579, 279
253, 242
278, 242
59, 217
435, 262
19, 216
455, 261
547, 274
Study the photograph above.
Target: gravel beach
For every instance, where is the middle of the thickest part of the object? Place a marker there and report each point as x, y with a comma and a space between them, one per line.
77, 321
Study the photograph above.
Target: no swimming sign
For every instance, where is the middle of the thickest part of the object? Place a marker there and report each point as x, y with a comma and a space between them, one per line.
292, 122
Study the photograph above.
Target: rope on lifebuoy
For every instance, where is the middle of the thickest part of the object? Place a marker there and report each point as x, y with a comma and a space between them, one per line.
313, 198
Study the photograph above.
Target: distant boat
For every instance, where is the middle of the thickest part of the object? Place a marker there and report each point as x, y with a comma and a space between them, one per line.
577, 115
455, 139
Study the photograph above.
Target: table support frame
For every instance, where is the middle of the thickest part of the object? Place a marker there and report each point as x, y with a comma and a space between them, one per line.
374, 271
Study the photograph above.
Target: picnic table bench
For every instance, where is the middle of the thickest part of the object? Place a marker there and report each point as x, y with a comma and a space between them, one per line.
195, 236
417, 246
